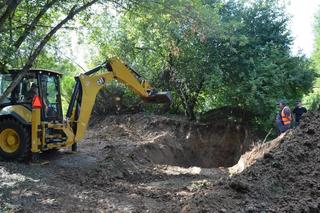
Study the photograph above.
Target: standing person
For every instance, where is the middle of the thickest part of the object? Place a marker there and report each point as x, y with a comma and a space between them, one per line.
284, 117
298, 111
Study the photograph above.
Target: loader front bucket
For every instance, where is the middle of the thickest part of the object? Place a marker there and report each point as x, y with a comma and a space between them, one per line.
159, 98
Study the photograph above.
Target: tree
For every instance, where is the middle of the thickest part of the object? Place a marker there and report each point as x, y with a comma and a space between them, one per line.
22, 25
313, 99
212, 53
316, 53
255, 61
167, 42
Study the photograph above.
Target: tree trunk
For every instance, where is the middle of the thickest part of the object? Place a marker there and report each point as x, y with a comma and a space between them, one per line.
188, 100
39, 48
190, 111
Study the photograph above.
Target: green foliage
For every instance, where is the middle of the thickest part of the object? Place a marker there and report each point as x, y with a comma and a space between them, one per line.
312, 100
316, 53
258, 70
26, 27
210, 53
167, 43
19, 23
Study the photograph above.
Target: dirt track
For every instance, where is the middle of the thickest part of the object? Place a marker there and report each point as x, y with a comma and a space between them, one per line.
135, 164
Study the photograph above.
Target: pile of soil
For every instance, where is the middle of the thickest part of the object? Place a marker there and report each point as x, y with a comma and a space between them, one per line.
285, 179
228, 113
257, 151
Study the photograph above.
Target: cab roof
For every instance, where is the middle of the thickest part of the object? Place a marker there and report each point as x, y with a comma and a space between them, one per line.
35, 70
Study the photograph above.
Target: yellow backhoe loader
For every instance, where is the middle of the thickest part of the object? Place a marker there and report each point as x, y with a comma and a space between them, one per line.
31, 119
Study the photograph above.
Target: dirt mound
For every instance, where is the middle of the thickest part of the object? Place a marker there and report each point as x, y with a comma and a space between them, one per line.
227, 113
258, 151
289, 176
285, 179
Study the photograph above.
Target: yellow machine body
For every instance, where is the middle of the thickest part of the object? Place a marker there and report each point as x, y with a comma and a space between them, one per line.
54, 134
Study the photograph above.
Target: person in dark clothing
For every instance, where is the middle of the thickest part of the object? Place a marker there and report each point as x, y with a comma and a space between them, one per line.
298, 111
32, 92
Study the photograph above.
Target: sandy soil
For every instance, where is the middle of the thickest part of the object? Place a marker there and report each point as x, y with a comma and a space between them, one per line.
139, 163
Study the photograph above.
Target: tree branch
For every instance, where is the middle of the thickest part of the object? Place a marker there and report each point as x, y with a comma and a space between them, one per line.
74, 11
32, 26
12, 5
3, 4
38, 25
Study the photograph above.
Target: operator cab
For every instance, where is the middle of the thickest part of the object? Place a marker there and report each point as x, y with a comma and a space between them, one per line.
38, 82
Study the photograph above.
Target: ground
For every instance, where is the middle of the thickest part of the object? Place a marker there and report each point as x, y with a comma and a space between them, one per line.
145, 163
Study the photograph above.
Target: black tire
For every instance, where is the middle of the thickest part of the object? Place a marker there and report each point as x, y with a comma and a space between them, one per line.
23, 149
74, 147
54, 150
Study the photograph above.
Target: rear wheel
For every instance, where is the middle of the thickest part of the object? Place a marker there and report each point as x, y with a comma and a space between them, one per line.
14, 140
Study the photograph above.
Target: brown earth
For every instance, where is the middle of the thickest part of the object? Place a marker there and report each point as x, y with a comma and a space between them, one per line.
147, 163
282, 175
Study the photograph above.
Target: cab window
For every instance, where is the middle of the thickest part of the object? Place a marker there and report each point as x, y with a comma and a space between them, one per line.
5, 80
51, 96
23, 93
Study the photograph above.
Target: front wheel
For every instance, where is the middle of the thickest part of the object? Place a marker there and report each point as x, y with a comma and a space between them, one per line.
14, 140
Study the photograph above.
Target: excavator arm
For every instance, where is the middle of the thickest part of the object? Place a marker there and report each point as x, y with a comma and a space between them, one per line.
89, 84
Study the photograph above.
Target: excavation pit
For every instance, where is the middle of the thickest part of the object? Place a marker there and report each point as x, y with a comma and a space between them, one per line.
206, 146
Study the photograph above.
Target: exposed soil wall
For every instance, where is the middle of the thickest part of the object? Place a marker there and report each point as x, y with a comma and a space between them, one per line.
172, 141
203, 145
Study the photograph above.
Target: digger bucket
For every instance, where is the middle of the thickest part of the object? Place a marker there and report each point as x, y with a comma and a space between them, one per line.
159, 98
